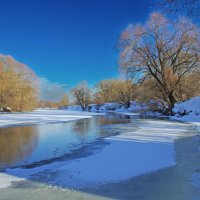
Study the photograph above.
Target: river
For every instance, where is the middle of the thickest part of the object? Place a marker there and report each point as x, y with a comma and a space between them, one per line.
104, 157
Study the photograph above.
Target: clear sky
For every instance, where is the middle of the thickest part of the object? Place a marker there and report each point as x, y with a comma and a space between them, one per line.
67, 41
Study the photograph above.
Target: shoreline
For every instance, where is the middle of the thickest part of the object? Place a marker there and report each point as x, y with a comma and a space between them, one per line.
42, 116
53, 116
186, 119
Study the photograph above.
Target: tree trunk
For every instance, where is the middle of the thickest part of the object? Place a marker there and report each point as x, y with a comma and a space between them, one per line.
82, 107
171, 103
127, 105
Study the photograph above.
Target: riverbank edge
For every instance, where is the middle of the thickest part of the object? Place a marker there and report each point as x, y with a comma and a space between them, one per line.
43, 116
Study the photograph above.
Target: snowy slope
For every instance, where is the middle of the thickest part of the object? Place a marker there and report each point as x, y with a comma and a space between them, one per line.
188, 110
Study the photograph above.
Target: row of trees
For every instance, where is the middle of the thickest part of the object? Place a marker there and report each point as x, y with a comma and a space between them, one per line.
105, 91
123, 92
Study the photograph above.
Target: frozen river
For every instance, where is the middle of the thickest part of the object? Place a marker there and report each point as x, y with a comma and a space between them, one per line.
103, 157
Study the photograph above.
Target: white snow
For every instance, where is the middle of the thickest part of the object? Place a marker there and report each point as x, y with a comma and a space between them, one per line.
114, 165
188, 111
6, 180
114, 106
42, 116
108, 166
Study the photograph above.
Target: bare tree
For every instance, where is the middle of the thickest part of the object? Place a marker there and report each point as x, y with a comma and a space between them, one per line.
163, 50
82, 95
190, 8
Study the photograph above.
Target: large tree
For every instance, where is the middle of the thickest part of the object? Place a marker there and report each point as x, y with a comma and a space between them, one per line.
167, 51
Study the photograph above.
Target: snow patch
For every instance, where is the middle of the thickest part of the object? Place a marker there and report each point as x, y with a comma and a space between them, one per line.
6, 180
188, 111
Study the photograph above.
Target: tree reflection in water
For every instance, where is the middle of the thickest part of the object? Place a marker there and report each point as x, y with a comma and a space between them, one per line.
16, 143
112, 119
82, 127
86, 127
31, 144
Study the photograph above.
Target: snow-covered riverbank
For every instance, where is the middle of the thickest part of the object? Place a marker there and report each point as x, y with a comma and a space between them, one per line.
188, 111
42, 116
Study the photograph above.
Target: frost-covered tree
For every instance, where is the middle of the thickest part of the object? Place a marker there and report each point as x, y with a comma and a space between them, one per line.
167, 51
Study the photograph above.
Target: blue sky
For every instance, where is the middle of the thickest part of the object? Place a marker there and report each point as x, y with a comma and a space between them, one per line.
66, 41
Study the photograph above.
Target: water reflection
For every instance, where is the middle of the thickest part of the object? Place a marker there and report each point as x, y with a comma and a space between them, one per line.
81, 127
26, 145
16, 144
113, 118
